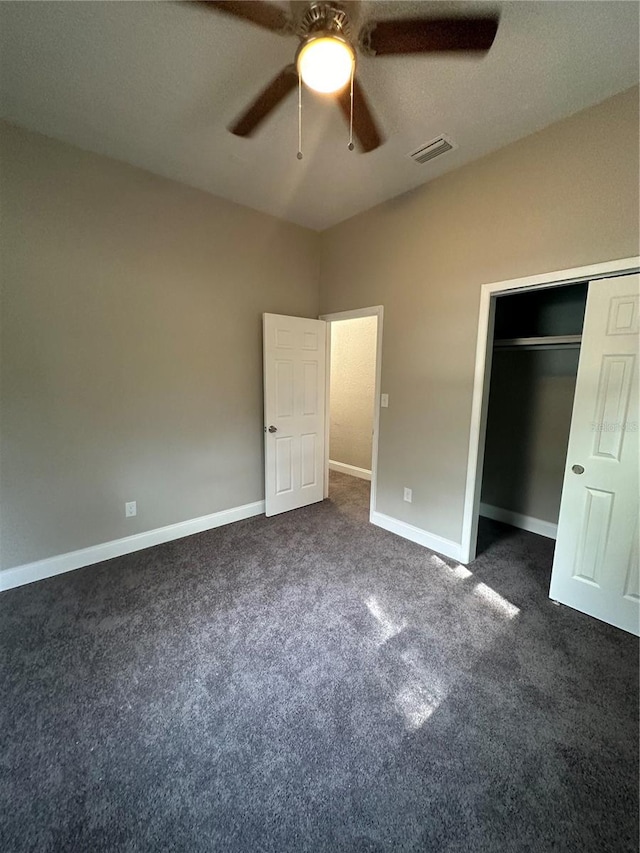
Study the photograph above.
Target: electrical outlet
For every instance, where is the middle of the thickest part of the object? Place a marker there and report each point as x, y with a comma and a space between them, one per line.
384, 401
408, 494
130, 509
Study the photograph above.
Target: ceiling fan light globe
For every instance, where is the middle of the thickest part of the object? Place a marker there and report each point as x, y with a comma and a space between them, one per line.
326, 64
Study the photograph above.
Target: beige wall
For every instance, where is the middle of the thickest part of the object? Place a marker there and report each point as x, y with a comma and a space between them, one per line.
130, 324
131, 346
353, 380
564, 197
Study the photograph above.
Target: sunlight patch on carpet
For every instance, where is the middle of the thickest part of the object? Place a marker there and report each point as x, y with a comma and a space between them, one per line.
387, 626
496, 601
417, 703
457, 571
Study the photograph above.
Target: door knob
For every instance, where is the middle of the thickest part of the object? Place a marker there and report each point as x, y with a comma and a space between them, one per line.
273, 429
577, 469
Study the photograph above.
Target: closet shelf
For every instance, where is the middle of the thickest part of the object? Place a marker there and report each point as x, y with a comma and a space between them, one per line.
544, 342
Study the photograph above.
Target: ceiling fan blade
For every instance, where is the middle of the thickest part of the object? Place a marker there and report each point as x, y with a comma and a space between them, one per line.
424, 35
364, 127
266, 101
265, 15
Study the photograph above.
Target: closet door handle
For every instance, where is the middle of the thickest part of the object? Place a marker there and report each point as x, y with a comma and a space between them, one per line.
577, 469
273, 429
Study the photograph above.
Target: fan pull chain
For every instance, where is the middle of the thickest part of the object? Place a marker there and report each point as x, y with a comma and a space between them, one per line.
299, 154
350, 146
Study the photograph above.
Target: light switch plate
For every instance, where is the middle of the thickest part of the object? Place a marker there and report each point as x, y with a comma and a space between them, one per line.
384, 401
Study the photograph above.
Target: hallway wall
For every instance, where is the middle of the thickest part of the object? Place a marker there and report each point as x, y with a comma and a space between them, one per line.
353, 380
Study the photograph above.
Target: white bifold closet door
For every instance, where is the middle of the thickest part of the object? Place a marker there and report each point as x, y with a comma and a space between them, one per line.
595, 568
294, 404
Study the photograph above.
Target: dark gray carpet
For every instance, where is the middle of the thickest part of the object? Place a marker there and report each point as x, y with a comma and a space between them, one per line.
312, 683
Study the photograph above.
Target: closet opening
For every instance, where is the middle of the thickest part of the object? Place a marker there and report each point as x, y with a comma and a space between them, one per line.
532, 380
532, 410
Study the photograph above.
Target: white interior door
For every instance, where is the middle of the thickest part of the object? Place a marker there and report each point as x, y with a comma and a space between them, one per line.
595, 568
294, 391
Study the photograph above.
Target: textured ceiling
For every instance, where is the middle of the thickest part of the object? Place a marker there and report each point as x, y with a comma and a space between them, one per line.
156, 84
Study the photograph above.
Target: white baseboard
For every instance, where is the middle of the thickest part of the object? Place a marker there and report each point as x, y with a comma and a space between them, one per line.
524, 522
41, 569
352, 470
416, 534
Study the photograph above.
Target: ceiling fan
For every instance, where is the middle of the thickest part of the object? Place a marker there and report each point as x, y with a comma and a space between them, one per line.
326, 56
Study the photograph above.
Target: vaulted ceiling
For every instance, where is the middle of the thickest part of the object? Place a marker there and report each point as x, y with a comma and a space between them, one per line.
157, 84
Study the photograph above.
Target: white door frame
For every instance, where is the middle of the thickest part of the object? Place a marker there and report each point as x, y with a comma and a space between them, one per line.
373, 311
484, 354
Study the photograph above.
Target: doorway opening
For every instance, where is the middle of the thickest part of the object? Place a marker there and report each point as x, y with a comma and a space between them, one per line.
353, 368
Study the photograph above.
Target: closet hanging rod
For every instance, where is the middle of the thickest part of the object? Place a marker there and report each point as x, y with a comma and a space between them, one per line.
543, 342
